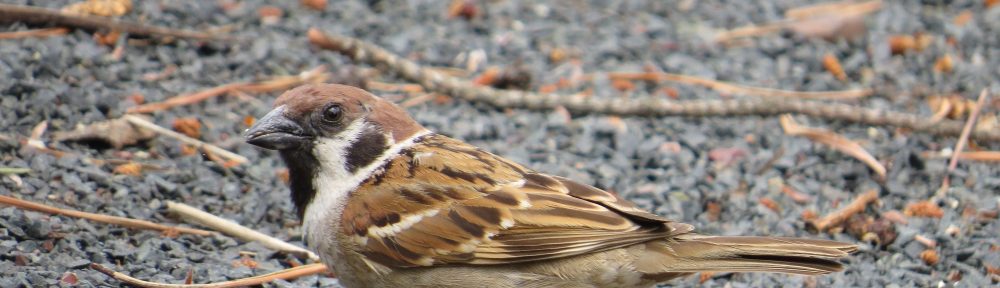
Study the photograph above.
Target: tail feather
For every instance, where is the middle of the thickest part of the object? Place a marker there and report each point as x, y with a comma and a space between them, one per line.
696, 253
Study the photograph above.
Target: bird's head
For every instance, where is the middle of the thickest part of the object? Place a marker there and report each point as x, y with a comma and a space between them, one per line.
332, 128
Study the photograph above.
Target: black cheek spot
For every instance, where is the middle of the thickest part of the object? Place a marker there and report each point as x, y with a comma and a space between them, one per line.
368, 147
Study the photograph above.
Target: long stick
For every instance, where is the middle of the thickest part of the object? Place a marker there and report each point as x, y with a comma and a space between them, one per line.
38, 15
287, 274
434, 81
138, 121
234, 229
121, 221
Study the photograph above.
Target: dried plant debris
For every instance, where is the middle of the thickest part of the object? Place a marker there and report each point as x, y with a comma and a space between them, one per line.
876, 230
100, 7
830, 21
835, 141
116, 132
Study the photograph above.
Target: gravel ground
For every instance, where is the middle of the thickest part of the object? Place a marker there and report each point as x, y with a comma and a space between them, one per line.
71, 80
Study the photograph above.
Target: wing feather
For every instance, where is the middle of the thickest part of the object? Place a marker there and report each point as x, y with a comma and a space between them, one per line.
464, 205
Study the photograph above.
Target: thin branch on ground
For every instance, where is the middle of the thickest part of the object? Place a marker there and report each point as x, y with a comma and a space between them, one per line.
287, 274
44, 32
186, 99
236, 230
833, 140
138, 121
837, 217
39, 15
120, 221
962, 141
365, 52
281, 83
984, 156
730, 88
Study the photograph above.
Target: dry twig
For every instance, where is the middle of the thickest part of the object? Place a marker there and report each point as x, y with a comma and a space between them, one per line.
38, 15
121, 221
724, 87
433, 81
236, 230
835, 141
138, 121
287, 274
44, 32
314, 75
962, 140
985, 156
839, 216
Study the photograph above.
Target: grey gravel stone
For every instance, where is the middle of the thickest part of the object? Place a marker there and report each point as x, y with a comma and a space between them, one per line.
69, 80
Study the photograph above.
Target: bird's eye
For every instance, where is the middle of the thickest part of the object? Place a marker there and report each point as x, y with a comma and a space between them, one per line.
333, 113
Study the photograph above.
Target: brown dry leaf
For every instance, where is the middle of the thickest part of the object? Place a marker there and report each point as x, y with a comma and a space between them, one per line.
107, 39
283, 175
900, 44
189, 279
843, 22
962, 18
990, 3
130, 169
930, 257
830, 21
622, 85
770, 204
835, 141
704, 277
880, 231
270, 15
895, 216
189, 126
136, 98
245, 260
318, 5
557, 55
809, 215
462, 8
488, 77
944, 64
116, 132
69, 279
100, 7
671, 92
188, 150
795, 195
923, 209
831, 64
952, 106
992, 270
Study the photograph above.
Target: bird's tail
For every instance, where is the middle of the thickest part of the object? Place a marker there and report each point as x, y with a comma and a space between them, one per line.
697, 253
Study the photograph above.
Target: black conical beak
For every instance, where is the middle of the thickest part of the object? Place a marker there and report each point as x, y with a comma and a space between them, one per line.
276, 132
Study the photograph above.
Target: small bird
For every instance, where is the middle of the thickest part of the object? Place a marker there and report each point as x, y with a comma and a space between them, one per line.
387, 203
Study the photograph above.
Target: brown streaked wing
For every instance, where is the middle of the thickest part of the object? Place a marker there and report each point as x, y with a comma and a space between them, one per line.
443, 201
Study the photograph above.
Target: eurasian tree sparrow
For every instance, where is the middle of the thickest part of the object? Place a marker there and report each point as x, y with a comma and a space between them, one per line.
387, 203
